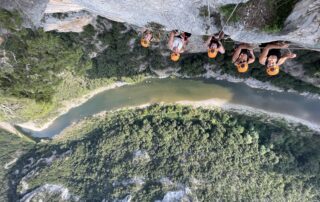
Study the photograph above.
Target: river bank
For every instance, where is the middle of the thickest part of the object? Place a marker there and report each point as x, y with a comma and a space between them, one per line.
67, 105
223, 105
250, 111
173, 90
9, 128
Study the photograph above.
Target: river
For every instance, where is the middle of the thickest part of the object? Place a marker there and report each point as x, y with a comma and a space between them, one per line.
171, 90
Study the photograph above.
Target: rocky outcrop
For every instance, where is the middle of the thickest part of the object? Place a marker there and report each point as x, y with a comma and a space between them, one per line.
296, 69
172, 14
70, 22
49, 192
31, 10
301, 27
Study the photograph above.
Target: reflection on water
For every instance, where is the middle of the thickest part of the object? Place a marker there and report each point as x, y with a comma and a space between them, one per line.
172, 90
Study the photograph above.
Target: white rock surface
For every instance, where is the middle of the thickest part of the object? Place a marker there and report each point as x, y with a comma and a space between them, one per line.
173, 14
62, 6
73, 23
44, 192
302, 26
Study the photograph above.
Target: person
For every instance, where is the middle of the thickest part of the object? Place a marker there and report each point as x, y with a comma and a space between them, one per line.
177, 44
214, 45
271, 56
146, 38
242, 57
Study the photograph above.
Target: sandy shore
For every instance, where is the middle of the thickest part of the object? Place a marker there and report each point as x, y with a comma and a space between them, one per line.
67, 105
9, 128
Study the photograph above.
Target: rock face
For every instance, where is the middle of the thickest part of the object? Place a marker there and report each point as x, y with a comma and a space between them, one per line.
302, 26
73, 22
172, 14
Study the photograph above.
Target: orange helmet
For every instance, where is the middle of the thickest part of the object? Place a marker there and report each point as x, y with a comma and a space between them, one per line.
175, 56
212, 52
274, 70
145, 43
242, 68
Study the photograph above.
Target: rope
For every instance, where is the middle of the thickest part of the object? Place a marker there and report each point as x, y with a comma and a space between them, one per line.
235, 8
208, 11
289, 50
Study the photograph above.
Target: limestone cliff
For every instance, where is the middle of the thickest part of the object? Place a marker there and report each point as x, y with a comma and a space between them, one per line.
302, 26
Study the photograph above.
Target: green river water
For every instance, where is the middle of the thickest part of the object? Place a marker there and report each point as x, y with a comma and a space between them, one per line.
171, 90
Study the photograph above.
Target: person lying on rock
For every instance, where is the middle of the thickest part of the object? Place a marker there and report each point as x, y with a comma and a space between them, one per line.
242, 57
146, 38
271, 56
214, 45
177, 43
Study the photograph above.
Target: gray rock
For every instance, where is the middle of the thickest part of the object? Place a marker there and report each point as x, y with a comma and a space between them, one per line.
31, 10
302, 26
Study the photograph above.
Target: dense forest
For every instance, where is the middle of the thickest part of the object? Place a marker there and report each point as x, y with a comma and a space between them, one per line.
11, 148
151, 153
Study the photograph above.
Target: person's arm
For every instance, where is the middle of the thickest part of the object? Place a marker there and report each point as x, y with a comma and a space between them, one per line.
208, 41
236, 53
285, 57
184, 46
263, 55
171, 38
252, 58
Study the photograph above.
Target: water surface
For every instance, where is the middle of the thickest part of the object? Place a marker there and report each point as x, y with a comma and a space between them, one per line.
172, 90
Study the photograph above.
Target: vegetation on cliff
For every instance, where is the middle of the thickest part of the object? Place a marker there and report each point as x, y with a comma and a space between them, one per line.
11, 148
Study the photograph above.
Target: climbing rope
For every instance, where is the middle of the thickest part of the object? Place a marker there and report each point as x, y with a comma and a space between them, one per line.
208, 9
234, 9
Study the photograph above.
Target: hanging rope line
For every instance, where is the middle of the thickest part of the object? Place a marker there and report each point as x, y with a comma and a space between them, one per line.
209, 14
234, 9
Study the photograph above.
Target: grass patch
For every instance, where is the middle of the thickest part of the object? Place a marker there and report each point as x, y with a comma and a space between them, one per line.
24, 109
281, 9
10, 20
272, 28
226, 11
